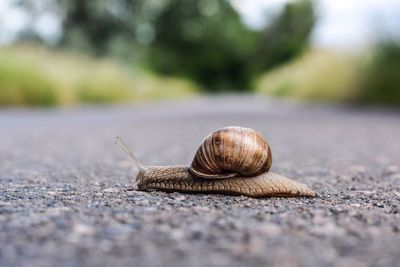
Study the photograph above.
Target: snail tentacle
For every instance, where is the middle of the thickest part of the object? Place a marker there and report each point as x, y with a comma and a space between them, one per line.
131, 155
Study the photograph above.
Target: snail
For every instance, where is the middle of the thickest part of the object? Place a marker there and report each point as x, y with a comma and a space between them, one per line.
232, 161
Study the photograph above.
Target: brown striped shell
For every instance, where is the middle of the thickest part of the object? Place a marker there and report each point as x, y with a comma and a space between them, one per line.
232, 151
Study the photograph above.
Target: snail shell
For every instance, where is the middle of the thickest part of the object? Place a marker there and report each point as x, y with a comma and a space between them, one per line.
232, 151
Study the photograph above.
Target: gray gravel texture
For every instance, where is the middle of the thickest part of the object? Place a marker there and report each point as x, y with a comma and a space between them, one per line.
67, 196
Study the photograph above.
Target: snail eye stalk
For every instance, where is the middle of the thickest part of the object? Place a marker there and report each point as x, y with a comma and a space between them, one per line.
130, 154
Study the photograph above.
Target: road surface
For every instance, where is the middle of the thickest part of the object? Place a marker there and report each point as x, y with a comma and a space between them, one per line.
67, 195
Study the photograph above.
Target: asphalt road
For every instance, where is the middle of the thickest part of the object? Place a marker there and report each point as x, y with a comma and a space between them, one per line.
67, 196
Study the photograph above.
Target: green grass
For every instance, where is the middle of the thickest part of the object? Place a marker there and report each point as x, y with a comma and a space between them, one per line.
23, 84
34, 76
317, 75
381, 81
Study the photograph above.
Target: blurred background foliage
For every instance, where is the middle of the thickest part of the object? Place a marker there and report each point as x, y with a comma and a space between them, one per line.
319, 74
132, 50
37, 76
203, 40
381, 80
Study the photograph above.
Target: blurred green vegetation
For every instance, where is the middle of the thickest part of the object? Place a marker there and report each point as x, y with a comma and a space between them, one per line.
23, 84
317, 75
205, 41
381, 80
285, 38
202, 40
322, 75
133, 50
35, 76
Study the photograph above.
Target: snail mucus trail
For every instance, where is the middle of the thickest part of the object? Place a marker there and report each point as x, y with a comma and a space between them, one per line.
232, 161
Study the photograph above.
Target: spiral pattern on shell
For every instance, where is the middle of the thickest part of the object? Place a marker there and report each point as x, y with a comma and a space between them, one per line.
230, 152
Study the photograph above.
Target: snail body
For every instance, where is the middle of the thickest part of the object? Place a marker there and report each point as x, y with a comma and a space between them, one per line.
180, 179
231, 161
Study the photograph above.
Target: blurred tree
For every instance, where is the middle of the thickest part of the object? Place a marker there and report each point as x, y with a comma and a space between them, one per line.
94, 26
381, 80
90, 26
204, 40
286, 37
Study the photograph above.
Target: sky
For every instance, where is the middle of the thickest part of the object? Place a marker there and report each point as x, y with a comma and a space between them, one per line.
13, 20
341, 24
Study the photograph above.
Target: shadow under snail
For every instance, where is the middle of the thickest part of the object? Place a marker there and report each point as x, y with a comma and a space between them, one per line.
232, 161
